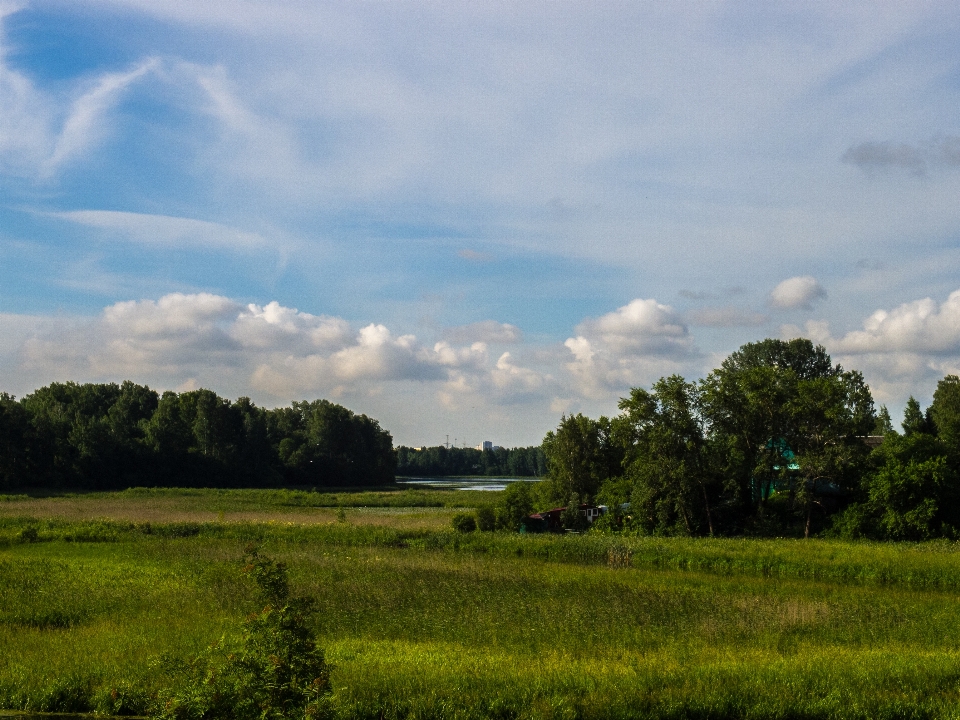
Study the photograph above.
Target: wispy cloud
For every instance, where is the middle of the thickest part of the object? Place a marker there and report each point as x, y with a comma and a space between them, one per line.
85, 122
728, 316
916, 159
163, 229
486, 331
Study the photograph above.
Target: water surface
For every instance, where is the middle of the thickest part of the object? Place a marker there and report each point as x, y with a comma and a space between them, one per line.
489, 484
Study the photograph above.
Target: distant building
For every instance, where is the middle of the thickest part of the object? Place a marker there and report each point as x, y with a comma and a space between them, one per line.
485, 445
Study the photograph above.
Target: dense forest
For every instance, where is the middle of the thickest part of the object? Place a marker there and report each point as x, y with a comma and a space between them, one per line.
776, 441
444, 461
105, 436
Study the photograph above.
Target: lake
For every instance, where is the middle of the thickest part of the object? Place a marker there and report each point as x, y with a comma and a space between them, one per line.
490, 484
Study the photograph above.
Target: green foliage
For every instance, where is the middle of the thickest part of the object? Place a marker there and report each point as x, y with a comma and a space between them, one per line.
581, 454
464, 523
944, 415
571, 518
667, 460
914, 419
486, 518
102, 436
276, 670
454, 461
912, 494
774, 396
513, 506
771, 442
884, 424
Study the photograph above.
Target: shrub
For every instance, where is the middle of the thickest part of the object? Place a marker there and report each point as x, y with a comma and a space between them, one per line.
486, 518
464, 522
276, 671
514, 505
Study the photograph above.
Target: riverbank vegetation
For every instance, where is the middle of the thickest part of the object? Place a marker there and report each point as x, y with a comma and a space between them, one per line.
442, 461
417, 620
109, 436
776, 441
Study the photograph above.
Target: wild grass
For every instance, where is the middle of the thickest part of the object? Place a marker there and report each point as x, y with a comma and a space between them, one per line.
422, 622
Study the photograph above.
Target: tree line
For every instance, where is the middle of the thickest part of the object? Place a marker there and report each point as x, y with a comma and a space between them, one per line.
110, 436
776, 441
449, 461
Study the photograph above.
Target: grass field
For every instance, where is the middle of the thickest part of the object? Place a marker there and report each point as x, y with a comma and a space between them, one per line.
96, 590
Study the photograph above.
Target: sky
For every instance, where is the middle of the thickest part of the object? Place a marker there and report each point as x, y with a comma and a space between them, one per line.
466, 219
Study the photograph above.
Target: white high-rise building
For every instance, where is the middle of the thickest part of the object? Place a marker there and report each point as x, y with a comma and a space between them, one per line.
485, 445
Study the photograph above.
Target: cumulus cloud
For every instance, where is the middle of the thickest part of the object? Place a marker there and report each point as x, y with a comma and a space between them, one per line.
915, 159
921, 326
797, 293
631, 345
643, 327
271, 349
487, 331
902, 351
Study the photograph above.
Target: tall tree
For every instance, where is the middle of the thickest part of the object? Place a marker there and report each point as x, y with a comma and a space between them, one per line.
667, 457
580, 454
944, 413
829, 415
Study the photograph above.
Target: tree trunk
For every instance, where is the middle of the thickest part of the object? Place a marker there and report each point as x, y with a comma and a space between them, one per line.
706, 505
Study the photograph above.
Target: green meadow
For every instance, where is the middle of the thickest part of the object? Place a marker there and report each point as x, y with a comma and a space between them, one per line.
99, 593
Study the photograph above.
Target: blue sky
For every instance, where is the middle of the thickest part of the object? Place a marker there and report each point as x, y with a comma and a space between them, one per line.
469, 218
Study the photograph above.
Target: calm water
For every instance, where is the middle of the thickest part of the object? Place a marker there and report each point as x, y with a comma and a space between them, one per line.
449, 483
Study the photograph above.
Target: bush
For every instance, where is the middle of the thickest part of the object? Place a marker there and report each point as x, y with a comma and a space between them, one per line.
486, 519
463, 522
275, 672
514, 505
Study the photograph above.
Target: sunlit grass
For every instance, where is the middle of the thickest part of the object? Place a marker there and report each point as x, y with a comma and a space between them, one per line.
420, 621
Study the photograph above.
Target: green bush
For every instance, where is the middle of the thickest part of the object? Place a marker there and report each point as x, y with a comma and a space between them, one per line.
513, 506
464, 522
275, 672
486, 518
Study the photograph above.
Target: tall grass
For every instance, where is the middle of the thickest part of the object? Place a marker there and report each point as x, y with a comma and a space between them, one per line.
425, 623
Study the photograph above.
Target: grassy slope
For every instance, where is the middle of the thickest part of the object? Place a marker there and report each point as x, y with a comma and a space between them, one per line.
424, 623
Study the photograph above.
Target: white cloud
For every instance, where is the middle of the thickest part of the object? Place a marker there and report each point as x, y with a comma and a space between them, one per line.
34, 141
173, 315
85, 123
164, 230
643, 327
508, 375
797, 292
632, 345
921, 326
270, 349
902, 351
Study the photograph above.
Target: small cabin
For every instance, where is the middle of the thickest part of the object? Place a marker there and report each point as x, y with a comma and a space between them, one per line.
549, 520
